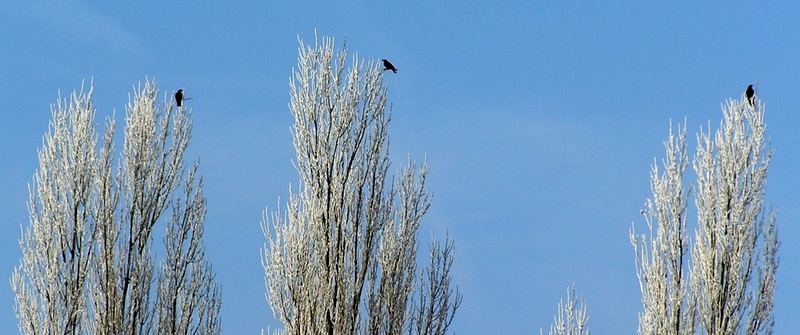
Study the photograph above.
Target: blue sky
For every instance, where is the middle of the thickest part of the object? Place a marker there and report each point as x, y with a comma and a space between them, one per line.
539, 119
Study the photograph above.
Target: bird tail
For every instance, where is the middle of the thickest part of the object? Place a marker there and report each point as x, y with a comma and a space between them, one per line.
394, 70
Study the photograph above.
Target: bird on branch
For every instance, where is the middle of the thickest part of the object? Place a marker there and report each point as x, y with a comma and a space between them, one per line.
750, 94
179, 97
388, 66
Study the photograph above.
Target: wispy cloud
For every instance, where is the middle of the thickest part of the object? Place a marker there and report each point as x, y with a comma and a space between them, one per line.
81, 21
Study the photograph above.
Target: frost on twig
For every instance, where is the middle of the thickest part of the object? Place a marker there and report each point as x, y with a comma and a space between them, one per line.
87, 265
342, 259
723, 281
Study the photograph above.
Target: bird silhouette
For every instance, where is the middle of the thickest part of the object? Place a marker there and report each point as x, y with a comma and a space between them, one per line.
179, 97
750, 93
388, 66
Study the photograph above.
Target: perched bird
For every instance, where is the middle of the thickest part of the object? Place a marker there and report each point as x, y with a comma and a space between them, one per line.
388, 66
750, 93
179, 97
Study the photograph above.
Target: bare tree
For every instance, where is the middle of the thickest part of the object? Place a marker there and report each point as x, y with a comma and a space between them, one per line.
57, 247
571, 317
87, 266
187, 300
728, 288
661, 256
436, 303
343, 259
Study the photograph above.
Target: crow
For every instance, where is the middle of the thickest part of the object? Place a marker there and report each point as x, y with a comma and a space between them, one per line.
750, 93
179, 97
388, 66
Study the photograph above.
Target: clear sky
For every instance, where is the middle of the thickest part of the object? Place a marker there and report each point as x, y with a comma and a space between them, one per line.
539, 119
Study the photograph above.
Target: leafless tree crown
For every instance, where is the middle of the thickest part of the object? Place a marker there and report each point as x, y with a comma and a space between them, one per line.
87, 266
571, 317
343, 257
722, 282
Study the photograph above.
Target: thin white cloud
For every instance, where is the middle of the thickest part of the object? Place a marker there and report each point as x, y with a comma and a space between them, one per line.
82, 22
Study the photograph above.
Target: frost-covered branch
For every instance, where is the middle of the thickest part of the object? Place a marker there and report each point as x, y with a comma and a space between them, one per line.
187, 299
87, 267
733, 258
342, 260
58, 245
728, 287
437, 300
662, 252
571, 317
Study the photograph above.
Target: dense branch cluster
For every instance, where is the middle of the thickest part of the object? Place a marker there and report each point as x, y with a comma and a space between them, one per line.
571, 318
722, 281
87, 264
343, 259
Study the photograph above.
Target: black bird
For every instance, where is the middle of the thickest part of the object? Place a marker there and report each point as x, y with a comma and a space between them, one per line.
388, 66
749, 94
179, 97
